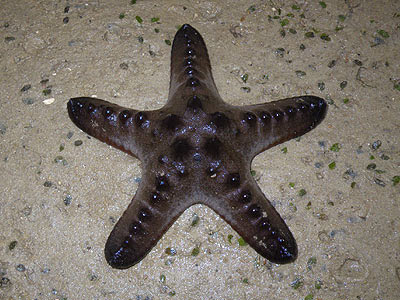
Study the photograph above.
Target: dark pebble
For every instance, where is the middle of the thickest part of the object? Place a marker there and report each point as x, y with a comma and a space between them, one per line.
78, 143
321, 86
12, 245
47, 183
332, 64
343, 84
358, 62
69, 134
9, 39
5, 282
124, 66
379, 182
66, 9
280, 52
65, 20
26, 87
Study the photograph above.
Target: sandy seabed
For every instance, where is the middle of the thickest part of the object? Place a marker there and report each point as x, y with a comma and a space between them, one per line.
335, 187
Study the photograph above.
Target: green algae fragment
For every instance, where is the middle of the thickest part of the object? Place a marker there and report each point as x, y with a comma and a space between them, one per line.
302, 192
309, 34
318, 284
253, 173
195, 251
162, 278
245, 77
353, 185
284, 22
153, 20
46, 92
325, 37
295, 7
291, 184
335, 147
230, 236
311, 262
396, 180
338, 28
323, 4
133, 1
251, 9
309, 297
245, 280
241, 241
332, 165
346, 100
371, 166
121, 16
284, 150
397, 86
195, 220
383, 33
341, 18
139, 19
308, 206
168, 42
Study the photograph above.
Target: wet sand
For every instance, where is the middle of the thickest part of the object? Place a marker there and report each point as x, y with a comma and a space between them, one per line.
336, 186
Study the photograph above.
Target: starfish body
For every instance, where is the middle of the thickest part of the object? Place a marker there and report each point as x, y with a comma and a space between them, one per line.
197, 149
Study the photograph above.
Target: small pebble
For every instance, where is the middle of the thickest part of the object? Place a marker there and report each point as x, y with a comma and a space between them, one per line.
28, 101
20, 268
65, 20
67, 200
300, 73
78, 143
3, 128
375, 145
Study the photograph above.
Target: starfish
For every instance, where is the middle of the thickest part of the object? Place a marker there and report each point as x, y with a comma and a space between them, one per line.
197, 149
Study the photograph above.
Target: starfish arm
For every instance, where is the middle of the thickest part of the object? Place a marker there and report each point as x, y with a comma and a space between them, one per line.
108, 122
154, 208
269, 124
190, 67
249, 212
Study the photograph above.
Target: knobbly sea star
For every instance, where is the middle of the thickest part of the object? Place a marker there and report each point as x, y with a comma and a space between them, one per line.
197, 149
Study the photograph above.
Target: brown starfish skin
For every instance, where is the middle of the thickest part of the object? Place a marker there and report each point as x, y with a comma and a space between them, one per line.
197, 149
